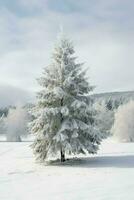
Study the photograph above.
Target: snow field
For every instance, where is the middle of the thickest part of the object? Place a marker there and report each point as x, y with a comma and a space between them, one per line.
106, 176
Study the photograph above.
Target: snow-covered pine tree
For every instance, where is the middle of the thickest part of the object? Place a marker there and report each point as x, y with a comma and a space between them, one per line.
64, 122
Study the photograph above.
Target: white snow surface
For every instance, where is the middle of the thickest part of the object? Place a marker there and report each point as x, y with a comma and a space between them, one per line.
109, 175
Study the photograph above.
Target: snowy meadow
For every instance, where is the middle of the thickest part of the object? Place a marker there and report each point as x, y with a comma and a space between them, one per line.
108, 175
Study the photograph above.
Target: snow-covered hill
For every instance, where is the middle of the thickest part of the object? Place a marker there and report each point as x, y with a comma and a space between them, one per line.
11, 95
106, 176
127, 95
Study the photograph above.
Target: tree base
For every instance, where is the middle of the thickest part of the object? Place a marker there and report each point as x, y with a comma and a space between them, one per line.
62, 157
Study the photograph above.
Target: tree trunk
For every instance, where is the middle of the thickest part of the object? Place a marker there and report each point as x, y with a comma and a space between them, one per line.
62, 156
61, 151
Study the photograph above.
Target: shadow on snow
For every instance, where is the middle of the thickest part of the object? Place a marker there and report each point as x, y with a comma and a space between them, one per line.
122, 161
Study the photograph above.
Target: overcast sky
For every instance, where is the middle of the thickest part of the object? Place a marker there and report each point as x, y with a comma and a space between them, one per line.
102, 32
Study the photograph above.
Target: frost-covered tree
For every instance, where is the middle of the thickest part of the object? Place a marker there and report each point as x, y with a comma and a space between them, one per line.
64, 122
16, 124
104, 118
109, 104
2, 125
123, 128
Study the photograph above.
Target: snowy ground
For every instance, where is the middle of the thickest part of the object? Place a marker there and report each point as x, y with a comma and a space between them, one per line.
106, 176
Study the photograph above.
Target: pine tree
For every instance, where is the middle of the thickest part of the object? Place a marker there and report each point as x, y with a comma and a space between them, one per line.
109, 104
63, 119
